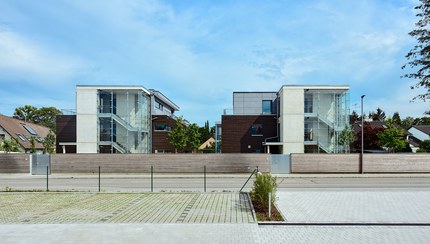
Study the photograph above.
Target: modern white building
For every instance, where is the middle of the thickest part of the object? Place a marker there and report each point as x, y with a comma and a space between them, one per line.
112, 119
296, 119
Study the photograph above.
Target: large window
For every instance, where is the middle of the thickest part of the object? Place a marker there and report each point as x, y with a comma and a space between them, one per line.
267, 107
257, 130
162, 127
308, 103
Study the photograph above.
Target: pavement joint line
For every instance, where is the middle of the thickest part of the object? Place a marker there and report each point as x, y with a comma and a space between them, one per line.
341, 224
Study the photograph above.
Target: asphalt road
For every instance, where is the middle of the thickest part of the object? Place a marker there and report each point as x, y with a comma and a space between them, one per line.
196, 183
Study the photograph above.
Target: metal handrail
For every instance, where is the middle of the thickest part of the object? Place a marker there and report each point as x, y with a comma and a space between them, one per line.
253, 172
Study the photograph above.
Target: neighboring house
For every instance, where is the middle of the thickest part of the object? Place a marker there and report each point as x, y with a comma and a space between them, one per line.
117, 119
163, 121
22, 131
418, 133
295, 119
209, 143
371, 144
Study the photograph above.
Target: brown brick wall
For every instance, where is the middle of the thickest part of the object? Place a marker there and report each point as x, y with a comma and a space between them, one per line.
160, 139
162, 163
236, 132
66, 132
14, 163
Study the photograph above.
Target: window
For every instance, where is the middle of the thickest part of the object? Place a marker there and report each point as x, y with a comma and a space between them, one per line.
162, 127
159, 105
308, 103
257, 130
30, 130
21, 137
267, 107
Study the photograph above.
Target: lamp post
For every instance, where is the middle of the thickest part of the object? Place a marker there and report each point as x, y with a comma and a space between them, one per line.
362, 135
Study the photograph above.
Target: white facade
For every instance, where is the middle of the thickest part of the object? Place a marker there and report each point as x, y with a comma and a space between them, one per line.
311, 117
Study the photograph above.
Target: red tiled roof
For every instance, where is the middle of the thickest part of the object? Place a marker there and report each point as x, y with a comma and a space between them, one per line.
15, 126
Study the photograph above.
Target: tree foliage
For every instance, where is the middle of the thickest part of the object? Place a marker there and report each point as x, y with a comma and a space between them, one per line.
418, 58
370, 139
177, 137
49, 143
204, 132
378, 115
396, 118
425, 146
263, 185
193, 137
33, 145
45, 116
392, 138
346, 137
10, 145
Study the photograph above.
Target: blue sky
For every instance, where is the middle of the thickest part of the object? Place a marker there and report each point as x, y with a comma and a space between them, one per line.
199, 52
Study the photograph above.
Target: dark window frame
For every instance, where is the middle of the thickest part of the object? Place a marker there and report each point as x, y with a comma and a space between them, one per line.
257, 130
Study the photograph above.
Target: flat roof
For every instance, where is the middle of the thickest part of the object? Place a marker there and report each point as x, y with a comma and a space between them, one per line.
163, 98
114, 87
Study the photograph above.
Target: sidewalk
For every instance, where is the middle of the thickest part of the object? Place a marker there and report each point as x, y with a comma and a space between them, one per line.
211, 175
351, 207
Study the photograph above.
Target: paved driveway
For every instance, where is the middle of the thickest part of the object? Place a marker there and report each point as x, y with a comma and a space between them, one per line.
57, 208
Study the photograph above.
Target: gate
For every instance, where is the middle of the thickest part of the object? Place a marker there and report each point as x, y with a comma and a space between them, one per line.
280, 164
39, 162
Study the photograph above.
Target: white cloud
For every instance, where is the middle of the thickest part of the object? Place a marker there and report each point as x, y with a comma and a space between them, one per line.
23, 58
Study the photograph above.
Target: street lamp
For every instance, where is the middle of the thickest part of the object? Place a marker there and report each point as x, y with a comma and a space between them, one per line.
362, 135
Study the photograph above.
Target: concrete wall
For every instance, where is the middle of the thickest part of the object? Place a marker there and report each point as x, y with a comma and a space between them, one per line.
86, 120
251, 103
397, 163
292, 119
162, 163
349, 163
325, 163
14, 163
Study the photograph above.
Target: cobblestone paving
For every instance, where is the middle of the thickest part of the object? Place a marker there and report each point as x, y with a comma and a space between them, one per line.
61, 208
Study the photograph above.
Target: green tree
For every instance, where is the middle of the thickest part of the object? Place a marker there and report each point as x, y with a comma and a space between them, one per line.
45, 116
204, 132
33, 145
418, 58
346, 137
379, 115
193, 137
177, 137
354, 117
10, 145
49, 143
25, 113
396, 118
425, 146
407, 123
392, 138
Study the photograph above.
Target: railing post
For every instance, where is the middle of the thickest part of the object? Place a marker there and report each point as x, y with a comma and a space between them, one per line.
270, 205
47, 181
152, 179
99, 177
204, 172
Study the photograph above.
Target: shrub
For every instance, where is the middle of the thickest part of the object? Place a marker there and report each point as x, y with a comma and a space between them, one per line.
263, 184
